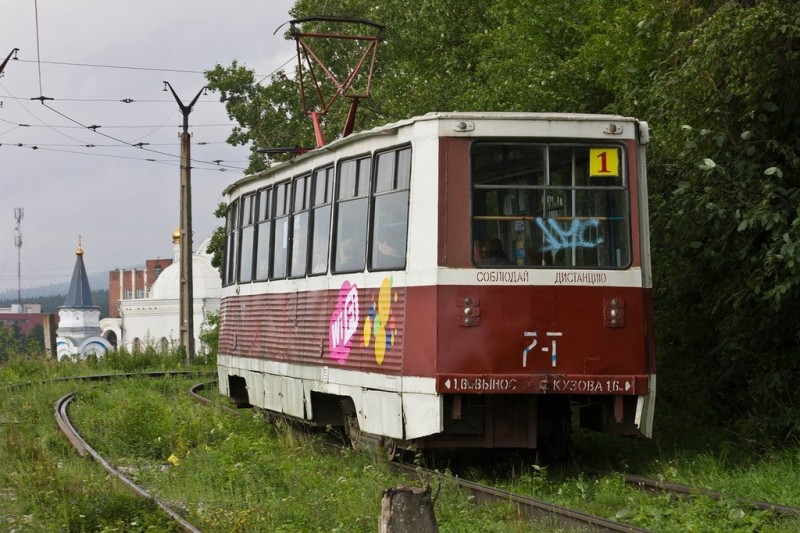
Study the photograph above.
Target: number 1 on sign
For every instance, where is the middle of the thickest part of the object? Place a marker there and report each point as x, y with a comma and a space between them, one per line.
604, 162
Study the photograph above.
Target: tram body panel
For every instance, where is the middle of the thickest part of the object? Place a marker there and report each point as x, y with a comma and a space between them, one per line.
512, 318
446, 350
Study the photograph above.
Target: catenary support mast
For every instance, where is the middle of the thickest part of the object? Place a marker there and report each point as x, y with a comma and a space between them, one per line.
186, 316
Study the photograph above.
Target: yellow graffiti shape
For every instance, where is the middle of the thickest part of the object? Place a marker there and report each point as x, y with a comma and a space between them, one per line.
375, 327
380, 345
385, 299
367, 330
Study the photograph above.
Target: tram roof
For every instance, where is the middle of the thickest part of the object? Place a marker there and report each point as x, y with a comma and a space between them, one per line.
437, 116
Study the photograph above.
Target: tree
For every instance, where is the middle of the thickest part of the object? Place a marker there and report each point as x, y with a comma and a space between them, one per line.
725, 219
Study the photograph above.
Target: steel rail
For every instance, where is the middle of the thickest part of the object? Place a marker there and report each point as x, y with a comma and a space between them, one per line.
657, 485
83, 448
569, 517
194, 393
530, 507
108, 377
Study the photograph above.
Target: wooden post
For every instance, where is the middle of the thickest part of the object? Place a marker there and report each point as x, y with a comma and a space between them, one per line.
49, 326
407, 510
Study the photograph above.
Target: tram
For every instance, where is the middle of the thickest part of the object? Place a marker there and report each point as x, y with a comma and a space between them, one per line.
450, 280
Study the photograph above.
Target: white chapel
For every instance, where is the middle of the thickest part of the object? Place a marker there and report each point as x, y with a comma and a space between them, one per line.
79, 333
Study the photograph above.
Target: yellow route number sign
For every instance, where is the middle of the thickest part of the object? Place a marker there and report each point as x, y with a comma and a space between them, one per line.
604, 162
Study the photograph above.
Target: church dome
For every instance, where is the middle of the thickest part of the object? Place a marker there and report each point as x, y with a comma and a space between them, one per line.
206, 282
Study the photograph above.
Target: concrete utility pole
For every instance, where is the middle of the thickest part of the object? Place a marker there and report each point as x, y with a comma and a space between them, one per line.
186, 317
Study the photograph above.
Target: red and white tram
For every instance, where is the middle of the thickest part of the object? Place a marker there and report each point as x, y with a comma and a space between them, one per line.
455, 279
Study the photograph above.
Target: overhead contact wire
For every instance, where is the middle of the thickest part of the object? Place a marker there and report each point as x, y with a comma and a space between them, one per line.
95, 128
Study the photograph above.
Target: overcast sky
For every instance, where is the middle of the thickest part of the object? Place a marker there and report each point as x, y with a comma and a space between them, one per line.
123, 206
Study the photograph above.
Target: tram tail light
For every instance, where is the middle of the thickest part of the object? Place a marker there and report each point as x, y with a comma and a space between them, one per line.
469, 312
614, 313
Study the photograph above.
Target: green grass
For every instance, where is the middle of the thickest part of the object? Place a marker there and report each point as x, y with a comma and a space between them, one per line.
223, 472
20, 369
46, 486
681, 452
237, 473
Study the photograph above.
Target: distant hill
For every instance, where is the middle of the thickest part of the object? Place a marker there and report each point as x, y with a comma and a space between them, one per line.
52, 302
97, 281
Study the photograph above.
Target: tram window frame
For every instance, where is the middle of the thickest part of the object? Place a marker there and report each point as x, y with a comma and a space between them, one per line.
351, 209
390, 196
262, 254
561, 198
231, 243
321, 211
298, 243
281, 213
246, 238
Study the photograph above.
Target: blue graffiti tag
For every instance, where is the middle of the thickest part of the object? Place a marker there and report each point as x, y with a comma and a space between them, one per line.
558, 239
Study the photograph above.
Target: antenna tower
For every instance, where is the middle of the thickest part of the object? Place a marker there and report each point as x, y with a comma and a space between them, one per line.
19, 213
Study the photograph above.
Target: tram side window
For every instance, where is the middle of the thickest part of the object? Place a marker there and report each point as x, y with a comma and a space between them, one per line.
246, 242
231, 242
390, 210
300, 217
280, 243
321, 219
540, 205
352, 201
263, 233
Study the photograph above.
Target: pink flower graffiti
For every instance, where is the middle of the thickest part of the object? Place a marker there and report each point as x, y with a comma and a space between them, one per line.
344, 322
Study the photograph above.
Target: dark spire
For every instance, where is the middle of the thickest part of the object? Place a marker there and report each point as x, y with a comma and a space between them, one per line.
80, 294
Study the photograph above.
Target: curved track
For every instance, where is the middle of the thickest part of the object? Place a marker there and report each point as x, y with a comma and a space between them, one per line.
83, 448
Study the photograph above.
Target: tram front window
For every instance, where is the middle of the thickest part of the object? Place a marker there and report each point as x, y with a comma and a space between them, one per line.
541, 205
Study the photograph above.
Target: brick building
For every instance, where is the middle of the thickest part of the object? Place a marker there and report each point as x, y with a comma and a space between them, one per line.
25, 316
130, 284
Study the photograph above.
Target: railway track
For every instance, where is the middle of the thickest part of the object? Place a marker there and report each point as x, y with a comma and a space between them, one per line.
567, 517
529, 507
571, 518
83, 448
660, 485
526, 506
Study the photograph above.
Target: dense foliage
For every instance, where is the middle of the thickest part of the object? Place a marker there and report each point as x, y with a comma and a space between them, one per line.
716, 80
15, 343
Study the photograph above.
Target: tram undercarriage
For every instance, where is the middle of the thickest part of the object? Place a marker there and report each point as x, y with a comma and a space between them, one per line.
540, 422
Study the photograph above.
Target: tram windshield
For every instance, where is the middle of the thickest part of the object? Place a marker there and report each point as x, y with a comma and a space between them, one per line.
543, 205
